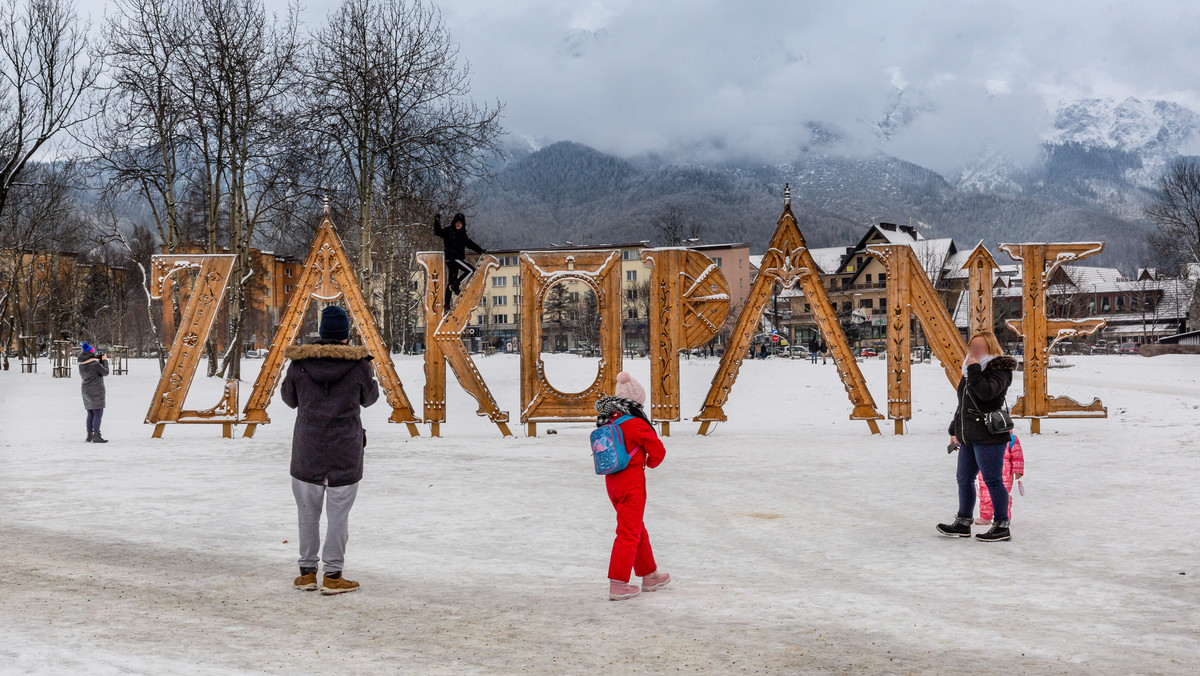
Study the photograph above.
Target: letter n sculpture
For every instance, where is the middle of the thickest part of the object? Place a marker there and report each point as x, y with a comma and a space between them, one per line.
327, 277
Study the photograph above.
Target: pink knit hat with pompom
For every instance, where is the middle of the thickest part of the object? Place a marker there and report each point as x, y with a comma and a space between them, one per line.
628, 388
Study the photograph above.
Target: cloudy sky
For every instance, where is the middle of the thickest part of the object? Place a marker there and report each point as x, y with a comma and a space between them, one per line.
704, 79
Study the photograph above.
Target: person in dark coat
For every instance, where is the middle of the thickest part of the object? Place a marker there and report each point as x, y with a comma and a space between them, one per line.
456, 244
328, 383
92, 369
814, 346
987, 375
824, 352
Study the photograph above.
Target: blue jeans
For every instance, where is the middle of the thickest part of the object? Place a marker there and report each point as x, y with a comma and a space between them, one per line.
813, 356
93, 420
987, 459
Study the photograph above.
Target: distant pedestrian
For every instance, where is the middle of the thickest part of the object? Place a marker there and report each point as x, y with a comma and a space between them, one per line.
627, 490
814, 348
329, 382
987, 375
92, 369
824, 352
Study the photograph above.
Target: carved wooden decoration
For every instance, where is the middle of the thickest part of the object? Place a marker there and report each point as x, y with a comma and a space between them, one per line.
788, 262
60, 358
27, 347
328, 276
194, 326
981, 268
689, 301
910, 292
540, 271
1040, 333
443, 342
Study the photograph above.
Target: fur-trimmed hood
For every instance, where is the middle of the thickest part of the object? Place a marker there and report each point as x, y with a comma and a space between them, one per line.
327, 351
1005, 362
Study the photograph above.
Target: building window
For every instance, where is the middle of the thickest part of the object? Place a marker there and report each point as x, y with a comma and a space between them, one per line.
499, 300
631, 294
868, 278
717, 260
287, 288
500, 319
807, 307
499, 281
633, 313
1106, 304
287, 271
516, 280
573, 296
1120, 303
866, 302
631, 275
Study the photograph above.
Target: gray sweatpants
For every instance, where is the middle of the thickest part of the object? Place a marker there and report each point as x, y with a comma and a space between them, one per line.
309, 500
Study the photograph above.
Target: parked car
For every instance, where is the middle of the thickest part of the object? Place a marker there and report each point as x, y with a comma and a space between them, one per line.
1129, 348
868, 352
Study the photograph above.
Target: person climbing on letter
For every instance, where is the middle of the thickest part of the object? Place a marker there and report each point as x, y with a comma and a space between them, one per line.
627, 491
456, 242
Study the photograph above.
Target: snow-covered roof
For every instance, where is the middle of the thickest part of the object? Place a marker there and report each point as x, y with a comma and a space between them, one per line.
828, 259
756, 261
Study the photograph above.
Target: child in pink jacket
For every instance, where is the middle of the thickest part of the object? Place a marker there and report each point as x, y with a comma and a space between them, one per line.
1014, 468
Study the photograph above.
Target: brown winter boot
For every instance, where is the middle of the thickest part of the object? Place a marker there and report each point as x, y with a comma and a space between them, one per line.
306, 582
337, 585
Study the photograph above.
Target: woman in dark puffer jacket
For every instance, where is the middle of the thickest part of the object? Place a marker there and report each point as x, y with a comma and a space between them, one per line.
987, 375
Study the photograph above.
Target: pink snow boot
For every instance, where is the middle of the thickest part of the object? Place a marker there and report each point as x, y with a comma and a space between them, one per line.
621, 591
655, 581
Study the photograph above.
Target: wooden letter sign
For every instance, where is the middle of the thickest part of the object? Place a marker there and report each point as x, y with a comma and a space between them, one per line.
689, 301
328, 276
443, 342
788, 262
1039, 333
540, 271
195, 324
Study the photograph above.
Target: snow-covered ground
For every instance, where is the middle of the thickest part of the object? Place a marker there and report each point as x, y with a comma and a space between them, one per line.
798, 542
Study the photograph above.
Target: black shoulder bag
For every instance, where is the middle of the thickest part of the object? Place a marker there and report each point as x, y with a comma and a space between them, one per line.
997, 422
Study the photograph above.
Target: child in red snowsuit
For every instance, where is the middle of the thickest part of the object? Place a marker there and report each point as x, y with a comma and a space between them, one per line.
627, 491
1014, 468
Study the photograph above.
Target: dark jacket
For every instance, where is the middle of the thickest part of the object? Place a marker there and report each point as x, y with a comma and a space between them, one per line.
457, 241
328, 383
982, 391
92, 370
814, 345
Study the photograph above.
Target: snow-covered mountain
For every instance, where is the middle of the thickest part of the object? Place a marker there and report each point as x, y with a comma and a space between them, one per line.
1095, 173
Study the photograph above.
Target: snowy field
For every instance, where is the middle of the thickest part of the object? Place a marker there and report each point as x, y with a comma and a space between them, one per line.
798, 543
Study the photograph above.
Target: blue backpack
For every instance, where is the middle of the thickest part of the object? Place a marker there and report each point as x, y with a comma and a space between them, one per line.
608, 447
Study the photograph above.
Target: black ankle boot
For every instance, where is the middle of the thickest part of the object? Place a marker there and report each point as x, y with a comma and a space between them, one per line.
91, 435
97, 439
998, 533
961, 528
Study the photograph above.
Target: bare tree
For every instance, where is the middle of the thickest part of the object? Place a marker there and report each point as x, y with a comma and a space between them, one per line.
674, 226
392, 101
1176, 212
43, 74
